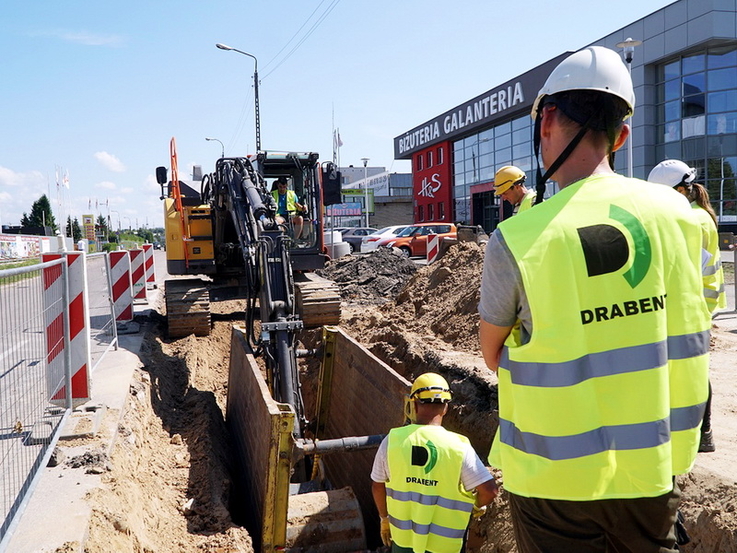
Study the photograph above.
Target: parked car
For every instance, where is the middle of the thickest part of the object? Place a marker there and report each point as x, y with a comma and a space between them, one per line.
369, 242
412, 241
354, 236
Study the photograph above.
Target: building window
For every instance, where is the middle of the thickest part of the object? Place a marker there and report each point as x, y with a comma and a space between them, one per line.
441, 211
419, 162
420, 213
430, 212
440, 155
696, 121
429, 159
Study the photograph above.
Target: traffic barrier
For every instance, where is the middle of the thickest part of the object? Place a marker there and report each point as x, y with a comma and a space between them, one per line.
433, 247
138, 275
120, 276
149, 267
79, 332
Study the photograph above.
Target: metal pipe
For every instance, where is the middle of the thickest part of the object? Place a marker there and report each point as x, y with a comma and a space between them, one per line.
351, 443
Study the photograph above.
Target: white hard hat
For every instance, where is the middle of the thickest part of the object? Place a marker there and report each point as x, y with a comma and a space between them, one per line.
672, 172
593, 68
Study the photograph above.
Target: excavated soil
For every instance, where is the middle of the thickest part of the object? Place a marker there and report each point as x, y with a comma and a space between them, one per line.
168, 483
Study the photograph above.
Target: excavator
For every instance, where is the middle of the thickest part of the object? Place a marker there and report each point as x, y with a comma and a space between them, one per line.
226, 241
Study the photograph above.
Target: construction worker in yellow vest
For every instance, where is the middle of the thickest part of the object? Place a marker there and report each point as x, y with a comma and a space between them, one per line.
287, 206
427, 481
679, 176
603, 389
509, 183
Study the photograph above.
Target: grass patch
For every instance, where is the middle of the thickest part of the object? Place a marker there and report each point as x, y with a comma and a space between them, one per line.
15, 265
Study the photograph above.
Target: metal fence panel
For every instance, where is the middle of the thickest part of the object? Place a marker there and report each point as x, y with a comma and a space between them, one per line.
29, 422
103, 330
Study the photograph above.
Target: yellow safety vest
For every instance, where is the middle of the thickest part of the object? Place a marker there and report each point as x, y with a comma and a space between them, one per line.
607, 397
713, 275
291, 201
428, 507
527, 201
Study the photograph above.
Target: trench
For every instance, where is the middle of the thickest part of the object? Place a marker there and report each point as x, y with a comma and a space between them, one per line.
414, 321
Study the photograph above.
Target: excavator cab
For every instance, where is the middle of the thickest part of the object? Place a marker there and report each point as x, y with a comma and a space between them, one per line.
301, 170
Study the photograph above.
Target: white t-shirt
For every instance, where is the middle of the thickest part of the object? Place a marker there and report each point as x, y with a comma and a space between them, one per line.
473, 471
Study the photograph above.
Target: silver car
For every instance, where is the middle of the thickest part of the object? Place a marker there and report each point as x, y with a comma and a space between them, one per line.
369, 242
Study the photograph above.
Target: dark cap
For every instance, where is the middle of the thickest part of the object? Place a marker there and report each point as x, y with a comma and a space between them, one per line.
281, 180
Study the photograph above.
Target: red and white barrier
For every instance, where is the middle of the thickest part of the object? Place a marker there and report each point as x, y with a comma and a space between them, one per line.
120, 276
138, 275
148, 265
79, 329
433, 247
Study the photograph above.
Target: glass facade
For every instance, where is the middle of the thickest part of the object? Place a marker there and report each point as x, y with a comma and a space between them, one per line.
477, 157
697, 121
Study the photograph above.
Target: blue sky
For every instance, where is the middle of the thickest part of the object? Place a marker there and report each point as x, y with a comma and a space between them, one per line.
97, 89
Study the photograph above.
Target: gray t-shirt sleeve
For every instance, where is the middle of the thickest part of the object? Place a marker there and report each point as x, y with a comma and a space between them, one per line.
503, 298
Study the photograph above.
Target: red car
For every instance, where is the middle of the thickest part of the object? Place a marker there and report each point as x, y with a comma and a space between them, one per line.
412, 241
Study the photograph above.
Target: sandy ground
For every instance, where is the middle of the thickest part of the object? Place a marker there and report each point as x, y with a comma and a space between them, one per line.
167, 483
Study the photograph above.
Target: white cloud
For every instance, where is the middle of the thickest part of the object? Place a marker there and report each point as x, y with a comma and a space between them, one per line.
109, 161
18, 191
107, 185
150, 184
82, 37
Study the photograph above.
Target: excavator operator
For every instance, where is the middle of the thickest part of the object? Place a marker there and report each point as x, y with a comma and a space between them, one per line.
287, 206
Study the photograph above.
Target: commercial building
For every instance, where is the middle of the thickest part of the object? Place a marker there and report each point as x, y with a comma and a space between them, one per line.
685, 75
389, 197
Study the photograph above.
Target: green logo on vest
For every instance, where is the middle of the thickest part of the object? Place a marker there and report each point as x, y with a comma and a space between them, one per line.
606, 250
426, 456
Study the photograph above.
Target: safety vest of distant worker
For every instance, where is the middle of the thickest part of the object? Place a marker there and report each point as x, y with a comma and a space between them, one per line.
678, 175
428, 508
527, 202
606, 399
291, 201
713, 274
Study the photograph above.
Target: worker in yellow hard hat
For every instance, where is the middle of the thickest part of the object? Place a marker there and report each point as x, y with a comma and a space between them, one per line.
509, 184
427, 481
602, 393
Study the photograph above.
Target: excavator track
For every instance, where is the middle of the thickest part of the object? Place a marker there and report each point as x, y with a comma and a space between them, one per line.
187, 307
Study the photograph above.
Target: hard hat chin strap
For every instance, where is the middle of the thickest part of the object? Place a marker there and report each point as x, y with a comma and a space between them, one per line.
565, 154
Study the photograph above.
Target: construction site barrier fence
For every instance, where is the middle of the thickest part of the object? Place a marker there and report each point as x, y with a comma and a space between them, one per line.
56, 325
32, 362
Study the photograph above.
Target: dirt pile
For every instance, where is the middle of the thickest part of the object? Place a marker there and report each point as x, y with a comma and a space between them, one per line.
374, 278
169, 485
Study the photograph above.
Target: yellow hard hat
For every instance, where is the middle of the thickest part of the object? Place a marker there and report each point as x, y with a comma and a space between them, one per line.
430, 388
507, 177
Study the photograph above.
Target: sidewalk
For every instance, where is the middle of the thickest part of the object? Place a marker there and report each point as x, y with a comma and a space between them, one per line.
57, 516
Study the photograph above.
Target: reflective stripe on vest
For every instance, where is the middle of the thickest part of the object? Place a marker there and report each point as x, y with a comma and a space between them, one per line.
428, 507
606, 398
630, 359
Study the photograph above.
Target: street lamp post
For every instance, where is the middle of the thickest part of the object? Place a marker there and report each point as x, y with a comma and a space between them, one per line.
222, 148
255, 90
628, 48
365, 188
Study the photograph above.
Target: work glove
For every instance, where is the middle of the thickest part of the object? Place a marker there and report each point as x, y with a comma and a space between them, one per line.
386, 533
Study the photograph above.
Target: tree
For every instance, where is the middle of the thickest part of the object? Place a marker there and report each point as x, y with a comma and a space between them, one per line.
76, 230
101, 228
41, 215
